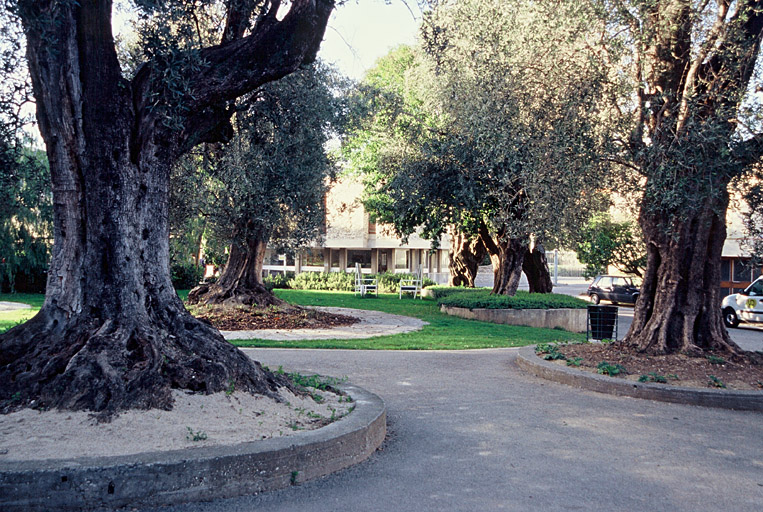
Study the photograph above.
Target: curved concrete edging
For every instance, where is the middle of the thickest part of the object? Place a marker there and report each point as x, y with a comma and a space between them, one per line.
728, 399
196, 474
574, 320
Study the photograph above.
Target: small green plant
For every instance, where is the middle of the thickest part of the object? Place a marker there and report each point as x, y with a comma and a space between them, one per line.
715, 359
653, 377
549, 352
605, 368
672, 376
15, 397
607, 341
231, 387
195, 436
575, 361
293, 425
294, 475
715, 382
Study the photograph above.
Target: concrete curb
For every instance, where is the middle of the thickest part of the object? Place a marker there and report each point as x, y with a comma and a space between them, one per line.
728, 399
196, 474
573, 320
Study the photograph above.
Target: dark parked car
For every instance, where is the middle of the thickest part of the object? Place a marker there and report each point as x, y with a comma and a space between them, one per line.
614, 289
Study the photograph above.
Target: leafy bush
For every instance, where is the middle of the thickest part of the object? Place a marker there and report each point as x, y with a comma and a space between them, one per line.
334, 281
440, 291
389, 281
478, 298
345, 282
186, 275
281, 281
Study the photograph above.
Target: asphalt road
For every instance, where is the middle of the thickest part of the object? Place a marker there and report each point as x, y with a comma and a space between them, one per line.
468, 431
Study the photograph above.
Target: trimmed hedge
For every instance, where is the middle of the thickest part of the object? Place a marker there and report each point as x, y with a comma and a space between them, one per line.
345, 281
480, 298
334, 281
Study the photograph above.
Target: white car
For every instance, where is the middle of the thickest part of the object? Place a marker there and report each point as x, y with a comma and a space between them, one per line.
746, 306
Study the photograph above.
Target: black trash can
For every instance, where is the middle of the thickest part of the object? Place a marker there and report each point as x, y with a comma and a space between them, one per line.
602, 323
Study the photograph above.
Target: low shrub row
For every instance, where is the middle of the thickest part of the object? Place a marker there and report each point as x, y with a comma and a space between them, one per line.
480, 298
345, 282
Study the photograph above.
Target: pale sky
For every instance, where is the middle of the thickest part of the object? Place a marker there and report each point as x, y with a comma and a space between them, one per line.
359, 32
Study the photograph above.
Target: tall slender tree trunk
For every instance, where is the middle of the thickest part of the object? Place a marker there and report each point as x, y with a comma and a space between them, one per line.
112, 333
535, 267
466, 254
241, 280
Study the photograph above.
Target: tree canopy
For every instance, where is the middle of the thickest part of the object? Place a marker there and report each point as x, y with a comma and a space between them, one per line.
467, 133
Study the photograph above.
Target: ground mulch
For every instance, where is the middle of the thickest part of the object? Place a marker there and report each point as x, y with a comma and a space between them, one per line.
250, 318
675, 369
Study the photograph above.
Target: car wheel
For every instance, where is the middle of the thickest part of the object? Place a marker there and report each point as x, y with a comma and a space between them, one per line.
730, 317
595, 298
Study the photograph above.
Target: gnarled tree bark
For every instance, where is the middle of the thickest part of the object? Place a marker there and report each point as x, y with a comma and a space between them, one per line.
241, 280
507, 256
112, 333
466, 254
684, 144
535, 267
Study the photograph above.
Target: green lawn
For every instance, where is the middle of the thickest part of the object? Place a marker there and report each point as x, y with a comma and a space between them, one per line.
10, 318
443, 332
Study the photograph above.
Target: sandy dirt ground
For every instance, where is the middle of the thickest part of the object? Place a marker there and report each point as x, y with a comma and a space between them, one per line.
195, 421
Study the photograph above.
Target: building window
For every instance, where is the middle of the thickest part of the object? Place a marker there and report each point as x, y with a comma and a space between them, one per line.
725, 270
742, 270
362, 257
401, 258
335, 258
312, 257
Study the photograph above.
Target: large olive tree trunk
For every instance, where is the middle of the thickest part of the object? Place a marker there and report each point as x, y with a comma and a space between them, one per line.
112, 333
691, 87
241, 280
466, 254
507, 256
535, 267
678, 310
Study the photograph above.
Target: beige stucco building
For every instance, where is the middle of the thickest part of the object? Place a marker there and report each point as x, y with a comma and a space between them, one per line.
351, 237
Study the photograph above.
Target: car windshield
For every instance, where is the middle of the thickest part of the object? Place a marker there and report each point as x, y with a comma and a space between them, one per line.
755, 288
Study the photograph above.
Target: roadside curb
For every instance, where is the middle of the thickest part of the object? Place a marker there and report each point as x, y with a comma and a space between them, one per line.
729, 399
196, 474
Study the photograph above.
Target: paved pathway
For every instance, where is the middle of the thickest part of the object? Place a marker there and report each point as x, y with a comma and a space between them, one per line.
10, 306
468, 431
372, 323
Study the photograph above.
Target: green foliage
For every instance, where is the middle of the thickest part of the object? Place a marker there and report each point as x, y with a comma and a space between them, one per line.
653, 377
279, 280
345, 281
482, 298
199, 435
186, 275
715, 359
603, 242
334, 281
464, 129
269, 182
549, 352
389, 282
715, 382
605, 368
575, 361
26, 219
